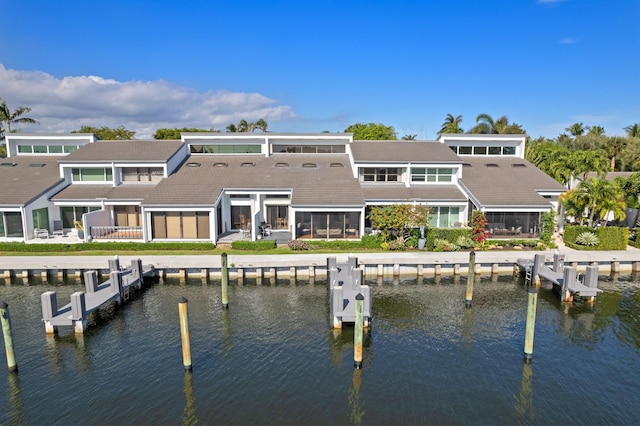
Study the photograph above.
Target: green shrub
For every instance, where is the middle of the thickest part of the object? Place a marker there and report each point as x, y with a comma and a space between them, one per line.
444, 245
611, 237
259, 245
449, 234
548, 226
299, 245
104, 246
465, 242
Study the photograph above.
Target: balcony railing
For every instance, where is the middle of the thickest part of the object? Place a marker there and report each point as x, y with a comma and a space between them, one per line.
116, 232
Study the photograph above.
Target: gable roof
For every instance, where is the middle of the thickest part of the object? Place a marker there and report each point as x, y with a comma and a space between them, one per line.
125, 151
25, 178
312, 179
403, 151
507, 182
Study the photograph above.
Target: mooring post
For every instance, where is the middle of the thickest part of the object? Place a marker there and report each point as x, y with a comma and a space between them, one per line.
471, 276
569, 276
531, 323
184, 333
8, 339
358, 332
115, 278
78, 312
558, 261
90, 281
225, 281
538, 262
114, 264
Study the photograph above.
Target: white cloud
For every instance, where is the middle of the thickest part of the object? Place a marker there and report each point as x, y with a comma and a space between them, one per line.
568, 40
63, 105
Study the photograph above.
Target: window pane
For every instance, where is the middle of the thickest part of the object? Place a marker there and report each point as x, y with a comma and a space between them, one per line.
464, 150
92, 175
480, 150
14, 224
509, 150
25, 149
41, 218
55, 149
70, 148
495, 150
67, 217
40, 149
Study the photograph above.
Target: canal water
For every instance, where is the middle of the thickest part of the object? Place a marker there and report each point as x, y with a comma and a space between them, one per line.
272, 359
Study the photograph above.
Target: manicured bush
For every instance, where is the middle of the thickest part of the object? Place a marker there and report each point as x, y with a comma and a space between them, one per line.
254, 245
104, 246
448, 234
587, 239
611, 237
299, 245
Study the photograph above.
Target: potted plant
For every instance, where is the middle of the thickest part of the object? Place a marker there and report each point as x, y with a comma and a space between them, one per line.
80, 228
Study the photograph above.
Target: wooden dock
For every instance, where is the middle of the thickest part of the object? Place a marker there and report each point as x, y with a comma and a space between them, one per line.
118, 288
564, 279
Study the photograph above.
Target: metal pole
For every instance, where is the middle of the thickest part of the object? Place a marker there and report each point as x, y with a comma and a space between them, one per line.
531, 323
184, 333
471, 276
225, 282
358, 331
8, 340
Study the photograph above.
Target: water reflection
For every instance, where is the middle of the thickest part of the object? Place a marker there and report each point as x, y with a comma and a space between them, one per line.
15, 400
357, 406
189, 416
524, 399
56, 347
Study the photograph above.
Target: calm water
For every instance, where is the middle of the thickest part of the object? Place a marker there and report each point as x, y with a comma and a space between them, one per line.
272, 359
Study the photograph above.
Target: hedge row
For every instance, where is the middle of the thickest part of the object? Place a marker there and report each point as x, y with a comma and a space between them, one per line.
449, 234
611, 237
634, 237
259, 245
98, 246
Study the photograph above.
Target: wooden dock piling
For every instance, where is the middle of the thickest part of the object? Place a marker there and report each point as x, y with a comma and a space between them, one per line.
532, 302
8, 338
225, 281
471, 276
358, 332
184, 334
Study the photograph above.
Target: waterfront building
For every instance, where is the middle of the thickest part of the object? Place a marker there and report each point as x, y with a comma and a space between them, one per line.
310, 186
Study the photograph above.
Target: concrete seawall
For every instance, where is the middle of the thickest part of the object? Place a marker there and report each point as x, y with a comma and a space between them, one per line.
387, 264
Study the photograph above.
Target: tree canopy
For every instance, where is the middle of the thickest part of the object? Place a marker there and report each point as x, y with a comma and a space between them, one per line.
107, 133
451, 125
8, 117
248, 126
372, 131
175, 133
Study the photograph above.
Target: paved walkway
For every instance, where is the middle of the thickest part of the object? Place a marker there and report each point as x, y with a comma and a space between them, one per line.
300, 260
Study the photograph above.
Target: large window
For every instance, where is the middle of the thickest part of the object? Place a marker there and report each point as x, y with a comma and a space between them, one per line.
180, 225
484, 150
422, 174
380, 174
70, 214
308, 149
92, 175
444, 217
11, 224
46, 149
142, 174
327, 225
226, 149
41, 218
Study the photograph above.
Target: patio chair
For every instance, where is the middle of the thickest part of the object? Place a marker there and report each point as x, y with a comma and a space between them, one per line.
57, 228
40, 233
265, 229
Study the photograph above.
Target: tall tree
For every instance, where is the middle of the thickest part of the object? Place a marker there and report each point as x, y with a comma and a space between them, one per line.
107, 133
409, 137
614, 146
451, 125
372, 131
175, 134
247, 126
633, 130
487, 125
576, 129
8, 117
596, 130
262, 125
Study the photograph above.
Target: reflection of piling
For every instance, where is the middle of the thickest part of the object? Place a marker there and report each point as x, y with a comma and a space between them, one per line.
531, 323
225, 281
184, 334
358, 331
8, 340
471, 276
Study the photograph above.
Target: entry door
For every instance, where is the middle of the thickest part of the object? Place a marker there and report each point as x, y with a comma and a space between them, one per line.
277, 217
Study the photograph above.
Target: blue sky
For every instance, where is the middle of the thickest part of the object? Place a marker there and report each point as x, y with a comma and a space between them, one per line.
309, 66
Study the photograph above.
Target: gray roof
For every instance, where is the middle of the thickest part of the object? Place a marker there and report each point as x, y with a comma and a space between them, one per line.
130, 151
21, 184
124, 192
507, 181
403, 151
322, 185
419, 193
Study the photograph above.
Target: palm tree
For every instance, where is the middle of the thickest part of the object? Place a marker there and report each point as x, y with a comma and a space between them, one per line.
633, 130
13, 117
487, 125
409, 137
451, 125
614, 146
596, 131
576, 129
231, 128
262, 125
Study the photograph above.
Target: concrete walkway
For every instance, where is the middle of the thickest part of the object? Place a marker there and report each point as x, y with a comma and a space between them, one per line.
300, 260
